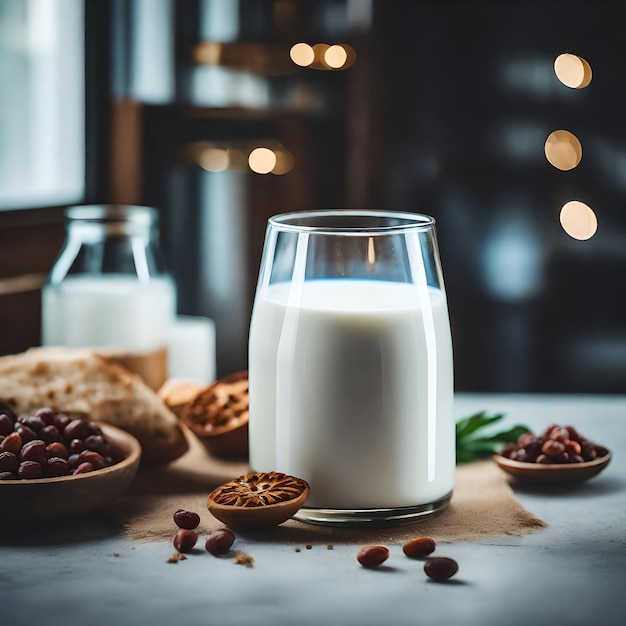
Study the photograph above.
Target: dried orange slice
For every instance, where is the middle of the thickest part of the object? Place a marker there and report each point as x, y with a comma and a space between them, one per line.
218, 416
258, 500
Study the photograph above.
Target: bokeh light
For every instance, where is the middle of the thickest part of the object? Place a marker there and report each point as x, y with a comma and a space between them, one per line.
336, 57
572, 70
262, 160
302, 54
563, 150
578, 220
214, 159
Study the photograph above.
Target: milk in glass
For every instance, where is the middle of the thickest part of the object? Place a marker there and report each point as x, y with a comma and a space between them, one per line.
351, 389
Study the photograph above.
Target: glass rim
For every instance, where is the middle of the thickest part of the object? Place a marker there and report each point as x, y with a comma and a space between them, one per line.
409, 222
106, 213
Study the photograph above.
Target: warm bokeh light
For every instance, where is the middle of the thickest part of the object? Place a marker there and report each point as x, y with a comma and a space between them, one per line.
578, 220
302, 54
284, 162
563, 150
262, 160
321, 56
572, 70
335, 57
214, 159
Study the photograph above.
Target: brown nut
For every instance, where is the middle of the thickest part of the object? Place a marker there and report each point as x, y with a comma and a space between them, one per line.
258, 500
11, 443
553, 448
6, 424
372, 556
34, 450
220, 541
56, 448
29, 470
186, 519
218, 416
419, 547
185, 540
9, 462
440, 568
56, 466
83, 468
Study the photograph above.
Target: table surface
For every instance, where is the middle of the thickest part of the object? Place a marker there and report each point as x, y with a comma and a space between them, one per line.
571, 573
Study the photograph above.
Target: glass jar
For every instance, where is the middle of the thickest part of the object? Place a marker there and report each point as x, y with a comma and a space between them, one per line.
109, 289
350, 363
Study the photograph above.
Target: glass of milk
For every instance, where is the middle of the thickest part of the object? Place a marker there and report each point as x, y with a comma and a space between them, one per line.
350, 365
109, 290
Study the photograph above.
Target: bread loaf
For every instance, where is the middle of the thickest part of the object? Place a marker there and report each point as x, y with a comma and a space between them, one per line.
76, 380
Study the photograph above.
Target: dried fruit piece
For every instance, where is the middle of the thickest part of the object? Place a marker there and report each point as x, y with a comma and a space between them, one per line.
186, 519
258, 500
440, 568
372, 556
220, 541
185, 540
419, 547
556, 445
218, 416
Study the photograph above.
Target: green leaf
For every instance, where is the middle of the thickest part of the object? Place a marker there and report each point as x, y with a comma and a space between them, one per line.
472, 445
469, 425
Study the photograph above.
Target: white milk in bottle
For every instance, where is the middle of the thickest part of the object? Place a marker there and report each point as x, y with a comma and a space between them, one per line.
117, 314
351, 389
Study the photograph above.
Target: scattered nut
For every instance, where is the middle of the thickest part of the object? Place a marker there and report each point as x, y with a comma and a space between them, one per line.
372, 556
419, 547
185, 540
186, 519
440, 568
220, 541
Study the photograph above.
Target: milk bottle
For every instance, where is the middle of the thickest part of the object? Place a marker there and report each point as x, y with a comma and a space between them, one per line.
108, 290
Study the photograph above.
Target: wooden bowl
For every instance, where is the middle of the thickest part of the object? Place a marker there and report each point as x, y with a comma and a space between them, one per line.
236, 503
218, 416
554, 474
26, 501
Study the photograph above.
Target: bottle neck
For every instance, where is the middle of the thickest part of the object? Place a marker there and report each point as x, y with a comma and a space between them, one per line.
90, 231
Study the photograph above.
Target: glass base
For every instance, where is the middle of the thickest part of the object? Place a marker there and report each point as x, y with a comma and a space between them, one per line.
372, 517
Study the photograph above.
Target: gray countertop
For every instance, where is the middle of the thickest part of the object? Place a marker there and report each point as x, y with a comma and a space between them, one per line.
572, 573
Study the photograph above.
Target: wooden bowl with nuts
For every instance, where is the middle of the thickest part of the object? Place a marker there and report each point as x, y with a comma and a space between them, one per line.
558, 455
68, 486
258, 500
218, 416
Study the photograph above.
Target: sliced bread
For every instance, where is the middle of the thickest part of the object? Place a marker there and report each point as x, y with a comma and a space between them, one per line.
76, 380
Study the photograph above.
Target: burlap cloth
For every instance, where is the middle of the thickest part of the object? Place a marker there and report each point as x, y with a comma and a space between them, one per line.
483, 506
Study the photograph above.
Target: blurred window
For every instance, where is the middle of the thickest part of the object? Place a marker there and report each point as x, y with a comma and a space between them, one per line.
42, 117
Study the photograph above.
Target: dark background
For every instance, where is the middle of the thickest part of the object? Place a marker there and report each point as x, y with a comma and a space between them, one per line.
445, 112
